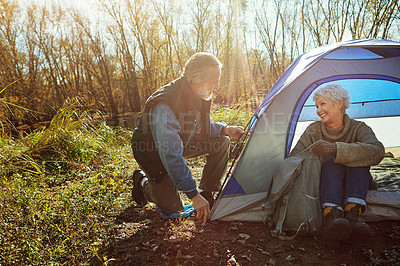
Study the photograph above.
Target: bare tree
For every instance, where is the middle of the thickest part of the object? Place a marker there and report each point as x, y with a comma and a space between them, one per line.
358, 18
167, 12
382, 13
202, 28
97, 62
125, 54
56, 54
272, 34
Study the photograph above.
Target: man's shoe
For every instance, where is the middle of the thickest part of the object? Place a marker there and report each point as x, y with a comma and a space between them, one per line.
209, 197
360, 231
336, 228
137, 192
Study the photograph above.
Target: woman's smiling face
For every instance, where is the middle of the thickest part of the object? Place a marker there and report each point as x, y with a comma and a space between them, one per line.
330, 112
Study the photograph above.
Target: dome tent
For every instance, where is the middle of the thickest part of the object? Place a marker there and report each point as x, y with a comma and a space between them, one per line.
369, 69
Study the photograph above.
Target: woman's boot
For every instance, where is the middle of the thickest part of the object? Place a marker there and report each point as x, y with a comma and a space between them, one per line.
360, 230
336, 228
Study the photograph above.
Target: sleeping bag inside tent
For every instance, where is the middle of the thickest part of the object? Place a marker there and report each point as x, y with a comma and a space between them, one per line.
368, 69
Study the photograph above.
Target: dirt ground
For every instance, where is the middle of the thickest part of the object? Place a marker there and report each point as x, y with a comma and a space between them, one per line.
142, 237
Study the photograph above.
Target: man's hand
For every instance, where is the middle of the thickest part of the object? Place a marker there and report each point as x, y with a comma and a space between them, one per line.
234, 131
202, 207
323, 148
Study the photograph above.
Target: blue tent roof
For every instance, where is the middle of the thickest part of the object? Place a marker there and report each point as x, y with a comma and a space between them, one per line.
337, 51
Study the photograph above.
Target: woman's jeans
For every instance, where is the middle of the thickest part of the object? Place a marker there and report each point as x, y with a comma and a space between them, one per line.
341, 184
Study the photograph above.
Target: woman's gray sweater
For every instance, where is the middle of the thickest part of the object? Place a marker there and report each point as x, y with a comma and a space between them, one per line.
356, 145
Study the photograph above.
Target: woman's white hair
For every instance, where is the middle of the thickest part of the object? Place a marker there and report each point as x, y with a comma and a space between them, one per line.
336, 93
197, 67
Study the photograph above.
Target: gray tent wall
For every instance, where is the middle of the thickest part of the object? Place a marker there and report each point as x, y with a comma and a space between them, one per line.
265, 148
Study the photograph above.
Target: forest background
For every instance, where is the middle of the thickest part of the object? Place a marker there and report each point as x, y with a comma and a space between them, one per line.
112, 54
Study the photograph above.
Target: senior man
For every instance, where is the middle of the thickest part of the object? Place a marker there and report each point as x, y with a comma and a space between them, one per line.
175, 124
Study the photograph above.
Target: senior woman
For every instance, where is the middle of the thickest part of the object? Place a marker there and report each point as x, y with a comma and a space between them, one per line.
348, 148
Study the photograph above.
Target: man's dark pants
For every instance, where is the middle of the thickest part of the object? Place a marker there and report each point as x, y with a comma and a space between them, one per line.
165, 194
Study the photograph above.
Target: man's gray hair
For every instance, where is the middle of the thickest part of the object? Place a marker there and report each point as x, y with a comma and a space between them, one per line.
196, 68
336, 93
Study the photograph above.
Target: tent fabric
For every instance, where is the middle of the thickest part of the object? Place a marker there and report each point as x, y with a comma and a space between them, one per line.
381, 205
307, 60
233, 187
387, 176
370, 69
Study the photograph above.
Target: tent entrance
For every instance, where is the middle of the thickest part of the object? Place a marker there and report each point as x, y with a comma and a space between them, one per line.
374, 100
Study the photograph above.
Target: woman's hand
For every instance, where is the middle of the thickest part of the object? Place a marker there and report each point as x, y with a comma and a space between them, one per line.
323, 148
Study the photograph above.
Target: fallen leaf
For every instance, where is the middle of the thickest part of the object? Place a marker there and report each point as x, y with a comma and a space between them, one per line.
198, 231
264, 252
126, 255
271, 262
174, 239
215, 253
179, 254
146, 221
146, 244
245, 236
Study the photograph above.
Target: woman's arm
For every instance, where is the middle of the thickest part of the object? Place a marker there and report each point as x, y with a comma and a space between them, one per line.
310, 135
367, 150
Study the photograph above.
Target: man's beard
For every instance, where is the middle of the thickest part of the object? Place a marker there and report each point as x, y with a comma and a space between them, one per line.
203, 93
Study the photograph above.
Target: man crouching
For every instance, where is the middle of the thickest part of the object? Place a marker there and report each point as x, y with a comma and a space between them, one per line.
175, 124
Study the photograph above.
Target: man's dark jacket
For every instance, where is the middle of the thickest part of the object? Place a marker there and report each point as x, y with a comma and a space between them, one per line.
185, 105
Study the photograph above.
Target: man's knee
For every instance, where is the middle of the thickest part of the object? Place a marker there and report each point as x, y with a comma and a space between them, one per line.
221, 144
227, 142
